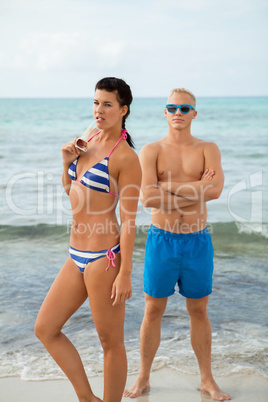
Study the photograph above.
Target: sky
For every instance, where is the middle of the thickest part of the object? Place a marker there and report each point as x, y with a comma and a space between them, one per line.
61, 48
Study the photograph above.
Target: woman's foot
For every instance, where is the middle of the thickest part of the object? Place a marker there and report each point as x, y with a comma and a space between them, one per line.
93, 399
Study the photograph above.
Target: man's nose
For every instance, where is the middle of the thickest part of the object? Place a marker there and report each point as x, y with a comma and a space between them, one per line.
178, 112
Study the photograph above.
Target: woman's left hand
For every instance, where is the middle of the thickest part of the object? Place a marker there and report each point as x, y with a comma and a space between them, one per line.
122, 288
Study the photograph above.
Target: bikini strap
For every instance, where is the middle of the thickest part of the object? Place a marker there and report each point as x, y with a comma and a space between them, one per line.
93, 136
123, 135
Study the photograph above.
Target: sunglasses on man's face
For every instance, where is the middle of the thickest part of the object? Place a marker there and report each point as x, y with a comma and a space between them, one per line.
171, 108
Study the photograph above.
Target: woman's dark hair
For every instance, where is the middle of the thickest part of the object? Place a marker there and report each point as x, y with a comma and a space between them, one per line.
123, 94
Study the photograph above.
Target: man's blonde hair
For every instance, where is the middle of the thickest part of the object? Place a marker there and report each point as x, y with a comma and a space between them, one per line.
184, 91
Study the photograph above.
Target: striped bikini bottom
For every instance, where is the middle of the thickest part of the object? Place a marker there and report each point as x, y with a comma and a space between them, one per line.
82, 258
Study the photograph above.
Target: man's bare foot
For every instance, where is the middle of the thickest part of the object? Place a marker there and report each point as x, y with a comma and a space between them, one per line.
137, 388
214, 391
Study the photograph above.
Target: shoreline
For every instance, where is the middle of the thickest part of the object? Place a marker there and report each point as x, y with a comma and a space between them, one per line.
167, 385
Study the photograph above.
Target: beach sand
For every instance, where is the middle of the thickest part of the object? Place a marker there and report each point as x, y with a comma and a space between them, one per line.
166, 386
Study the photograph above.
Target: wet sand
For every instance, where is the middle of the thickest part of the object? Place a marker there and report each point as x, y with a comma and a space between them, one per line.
166, 386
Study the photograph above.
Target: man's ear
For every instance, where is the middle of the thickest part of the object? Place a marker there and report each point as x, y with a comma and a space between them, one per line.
165, 112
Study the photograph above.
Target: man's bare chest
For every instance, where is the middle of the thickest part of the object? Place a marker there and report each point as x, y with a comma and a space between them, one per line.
187, 165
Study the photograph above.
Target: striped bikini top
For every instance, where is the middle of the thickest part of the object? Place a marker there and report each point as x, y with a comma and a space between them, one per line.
97, 177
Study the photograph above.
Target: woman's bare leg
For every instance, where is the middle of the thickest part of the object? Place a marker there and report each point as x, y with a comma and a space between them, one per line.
66, 295
109, 323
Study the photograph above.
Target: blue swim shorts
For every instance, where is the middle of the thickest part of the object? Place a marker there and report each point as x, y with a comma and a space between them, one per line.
185, 259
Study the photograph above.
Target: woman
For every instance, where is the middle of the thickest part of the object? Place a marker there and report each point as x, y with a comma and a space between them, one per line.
98, 266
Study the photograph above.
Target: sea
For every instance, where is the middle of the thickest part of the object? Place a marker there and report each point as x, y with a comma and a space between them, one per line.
35, 228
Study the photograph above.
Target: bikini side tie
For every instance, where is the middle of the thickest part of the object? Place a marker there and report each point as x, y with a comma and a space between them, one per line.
111, 257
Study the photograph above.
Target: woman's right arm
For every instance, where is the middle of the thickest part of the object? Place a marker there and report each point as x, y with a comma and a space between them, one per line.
66, 181
69, 155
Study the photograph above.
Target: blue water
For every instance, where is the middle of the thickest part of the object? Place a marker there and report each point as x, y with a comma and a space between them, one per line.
34, 232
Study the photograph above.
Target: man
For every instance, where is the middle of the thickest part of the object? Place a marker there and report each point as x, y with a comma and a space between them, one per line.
180, 173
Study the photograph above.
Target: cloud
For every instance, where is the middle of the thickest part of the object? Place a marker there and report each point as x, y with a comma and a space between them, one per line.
153, 42
48, 51
63, 51
228, 7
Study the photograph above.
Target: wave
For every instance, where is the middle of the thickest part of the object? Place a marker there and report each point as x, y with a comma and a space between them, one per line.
236, 239
249, 231
230, 237
252, 230
39, 231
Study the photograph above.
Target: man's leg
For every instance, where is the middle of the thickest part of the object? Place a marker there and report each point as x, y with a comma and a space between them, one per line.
201, 342
150, 336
